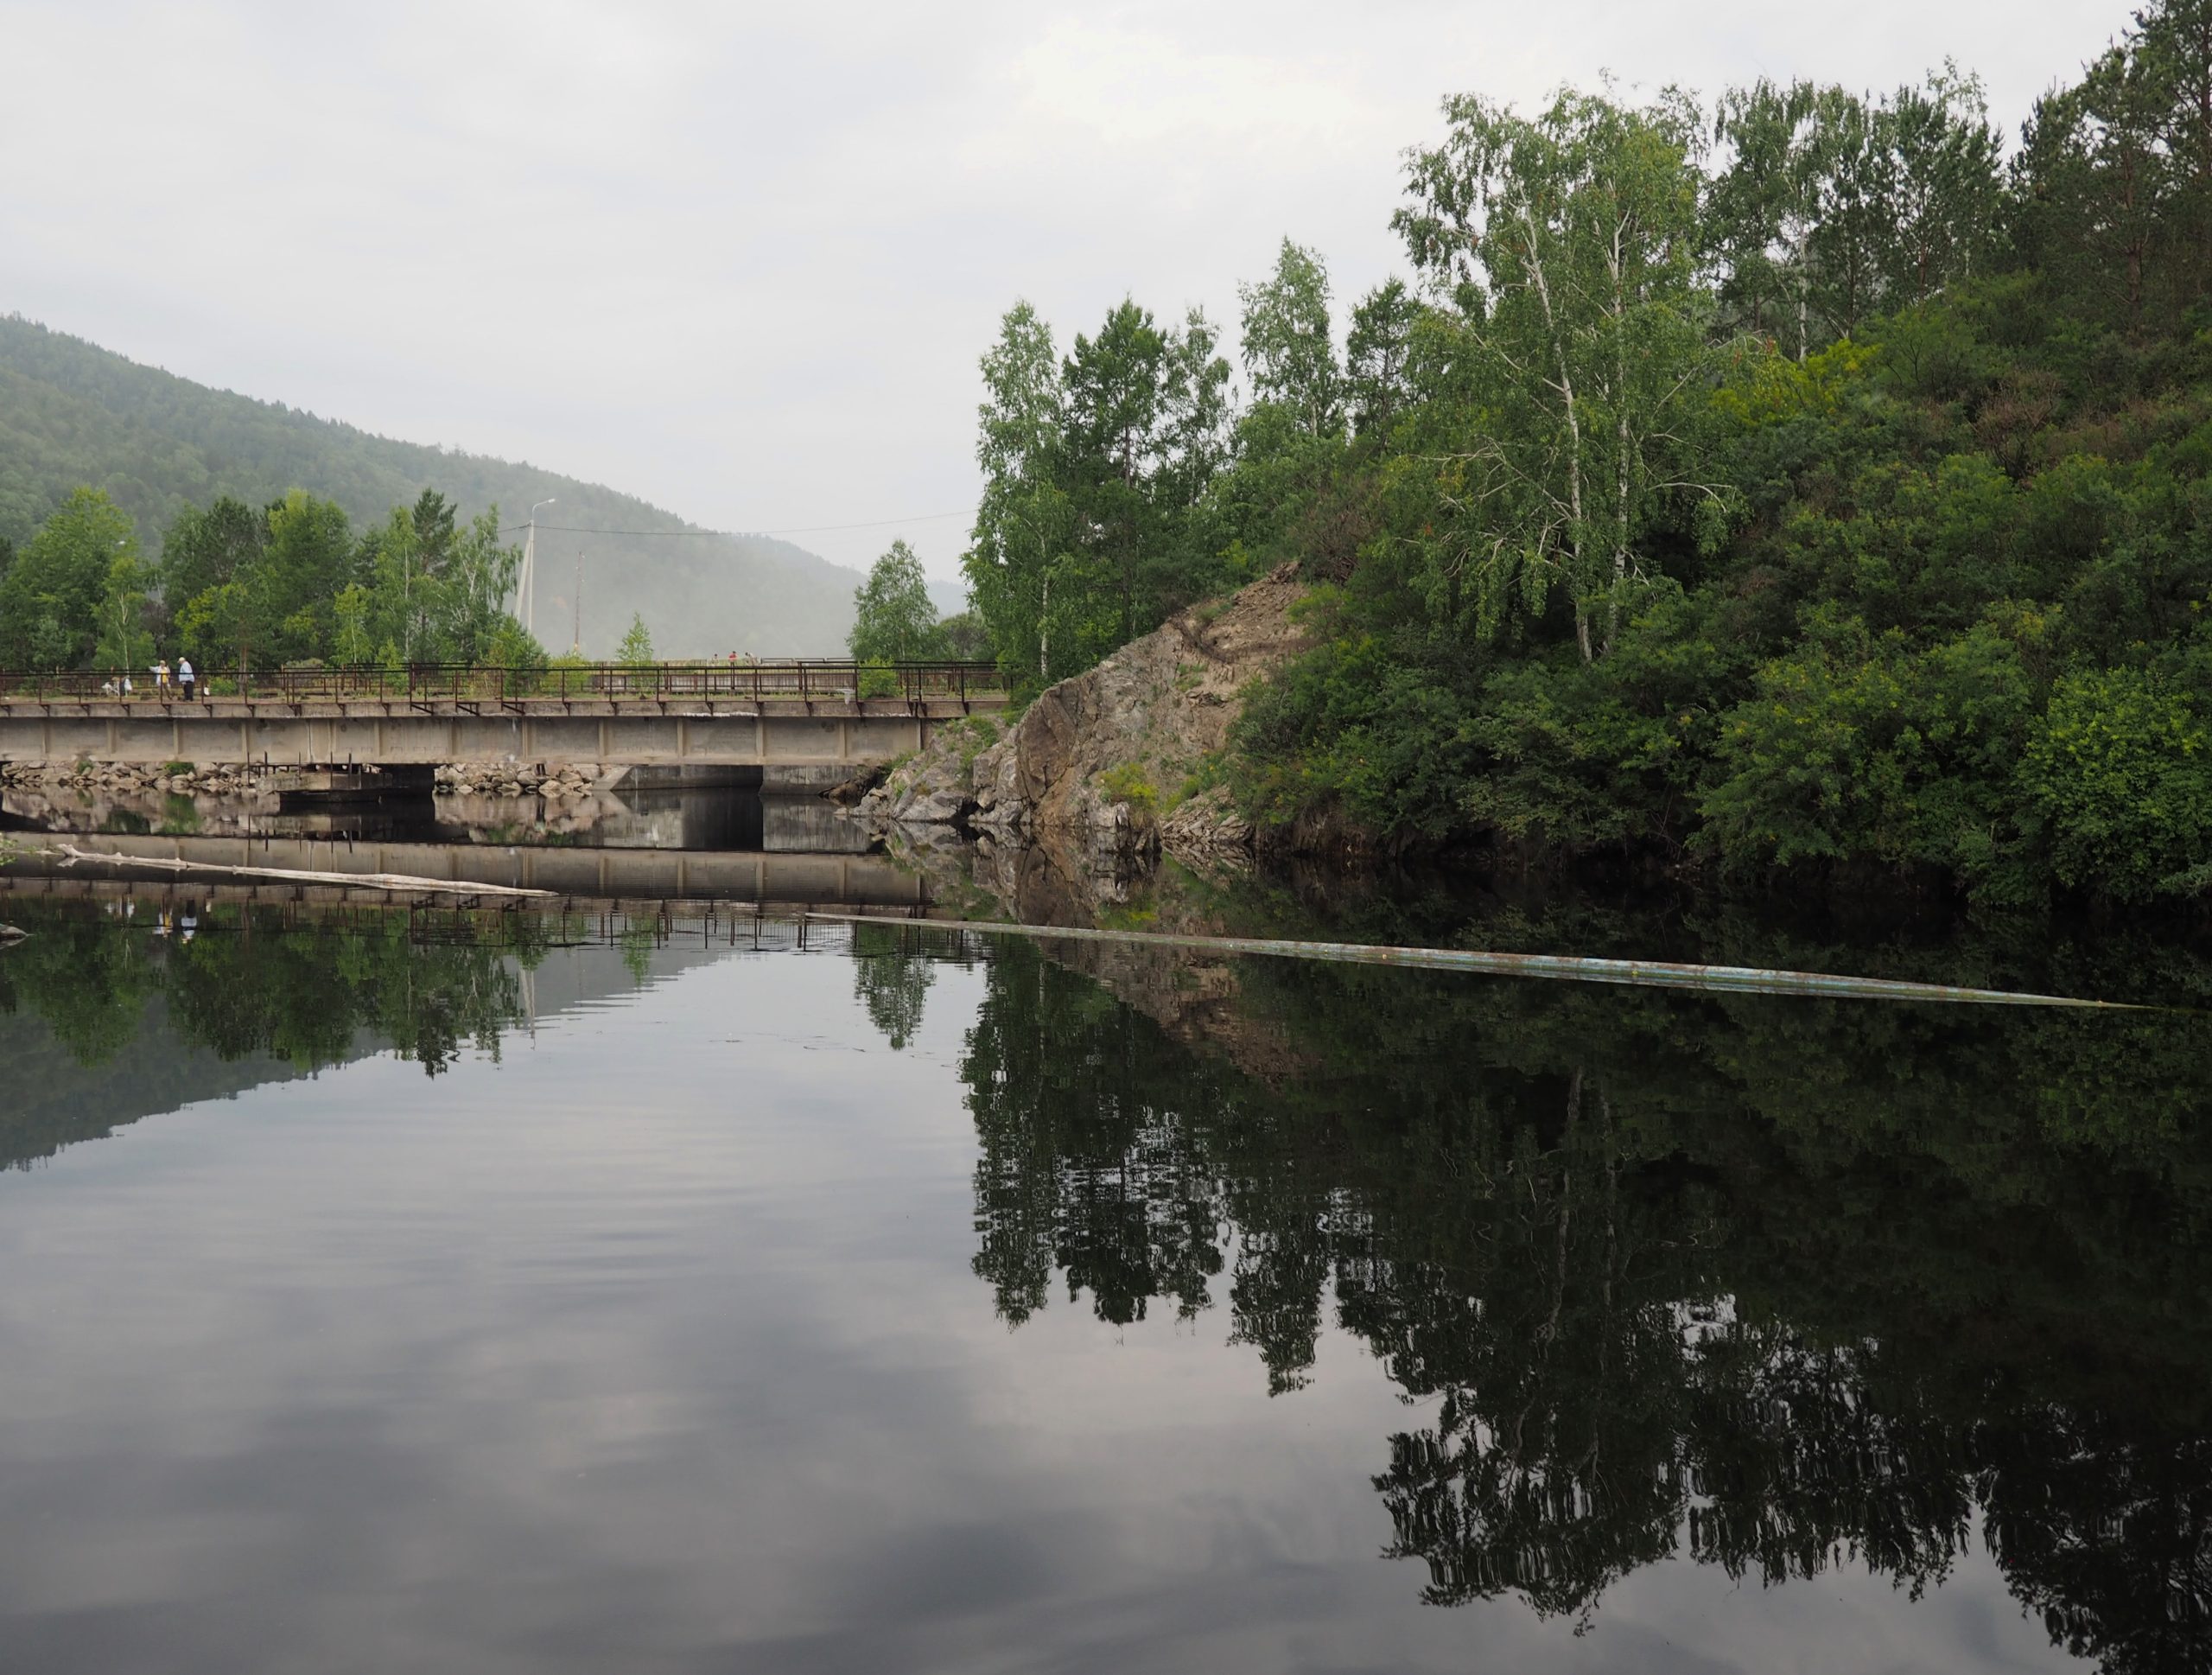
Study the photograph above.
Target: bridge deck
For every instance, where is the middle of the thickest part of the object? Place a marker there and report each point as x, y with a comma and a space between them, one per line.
696, 730
140, 707
815, 715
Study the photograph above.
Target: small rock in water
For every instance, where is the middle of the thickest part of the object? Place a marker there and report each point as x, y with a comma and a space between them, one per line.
10, 933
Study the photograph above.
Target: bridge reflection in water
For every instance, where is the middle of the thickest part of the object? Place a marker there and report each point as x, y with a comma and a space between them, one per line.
585, 875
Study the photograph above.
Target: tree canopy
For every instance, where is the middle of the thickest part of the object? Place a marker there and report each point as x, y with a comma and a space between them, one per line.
1787, 480
262, 587
894, 618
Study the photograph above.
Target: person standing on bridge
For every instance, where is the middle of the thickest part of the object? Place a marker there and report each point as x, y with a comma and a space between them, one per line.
161, 679
184, 677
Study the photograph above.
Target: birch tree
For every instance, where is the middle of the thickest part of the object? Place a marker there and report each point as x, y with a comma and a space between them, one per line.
1024, 521
1786, 148
1945, 196
1290, 352
1565, 245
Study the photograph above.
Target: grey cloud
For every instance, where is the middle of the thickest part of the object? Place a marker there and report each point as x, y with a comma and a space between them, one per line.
741, 259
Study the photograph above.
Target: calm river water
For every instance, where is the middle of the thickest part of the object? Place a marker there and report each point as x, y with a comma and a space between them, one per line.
437, 1292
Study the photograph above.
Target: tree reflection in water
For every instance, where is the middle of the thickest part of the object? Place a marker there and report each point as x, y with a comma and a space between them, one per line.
1780, 1285
307, 989
892, 973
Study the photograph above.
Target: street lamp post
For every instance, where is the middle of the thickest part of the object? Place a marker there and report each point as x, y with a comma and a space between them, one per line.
526, 591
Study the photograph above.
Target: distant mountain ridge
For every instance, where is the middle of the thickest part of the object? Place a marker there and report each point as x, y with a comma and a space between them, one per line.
71, 412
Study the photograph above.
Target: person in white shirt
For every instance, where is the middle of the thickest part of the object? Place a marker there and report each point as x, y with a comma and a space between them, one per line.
184, 677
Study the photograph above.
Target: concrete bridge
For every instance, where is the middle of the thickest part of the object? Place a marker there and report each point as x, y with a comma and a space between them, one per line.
802, 722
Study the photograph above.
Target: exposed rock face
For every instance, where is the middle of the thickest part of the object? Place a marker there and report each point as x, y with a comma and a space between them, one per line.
1105, 768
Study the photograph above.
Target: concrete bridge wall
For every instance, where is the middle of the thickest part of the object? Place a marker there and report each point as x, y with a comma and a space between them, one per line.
850, 735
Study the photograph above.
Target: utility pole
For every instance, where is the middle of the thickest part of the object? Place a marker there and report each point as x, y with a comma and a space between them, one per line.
526, 590
577, 638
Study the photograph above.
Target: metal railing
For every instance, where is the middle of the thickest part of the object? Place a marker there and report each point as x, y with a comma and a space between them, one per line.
809, 679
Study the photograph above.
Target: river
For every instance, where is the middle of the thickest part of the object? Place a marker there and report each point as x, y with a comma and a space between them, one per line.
703, 1287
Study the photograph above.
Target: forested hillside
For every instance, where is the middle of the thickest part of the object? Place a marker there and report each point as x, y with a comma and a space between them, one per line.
1796, 479
72, 414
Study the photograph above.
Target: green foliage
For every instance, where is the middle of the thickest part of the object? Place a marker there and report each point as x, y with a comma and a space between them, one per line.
2120, 767
1129, 783
1856, 746
1289, 344
638, 940
75, 582
278, 602
965, 636
293, 583
1576, 348
636, 651
1824, 520
122, 639
1831, 207
894, 619
513, 646
973, 735
2114, 178
1094, 523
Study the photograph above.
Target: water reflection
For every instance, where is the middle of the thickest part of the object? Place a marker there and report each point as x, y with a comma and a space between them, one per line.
1778, 1286
302, 989
1774, 1288
643, 815
133, 1007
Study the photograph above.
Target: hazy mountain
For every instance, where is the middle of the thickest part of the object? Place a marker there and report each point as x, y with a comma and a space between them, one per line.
71, 412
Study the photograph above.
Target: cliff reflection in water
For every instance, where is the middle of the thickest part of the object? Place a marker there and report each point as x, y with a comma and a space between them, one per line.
1778, 1285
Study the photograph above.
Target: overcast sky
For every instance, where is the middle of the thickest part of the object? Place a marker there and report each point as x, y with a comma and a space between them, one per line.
740, 260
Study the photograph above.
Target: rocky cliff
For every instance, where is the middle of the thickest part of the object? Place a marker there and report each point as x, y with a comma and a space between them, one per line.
1106, 767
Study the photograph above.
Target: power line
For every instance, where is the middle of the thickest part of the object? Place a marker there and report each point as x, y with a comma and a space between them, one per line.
737, 534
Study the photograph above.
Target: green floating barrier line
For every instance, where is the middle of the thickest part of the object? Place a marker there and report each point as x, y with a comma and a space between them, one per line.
1643, 974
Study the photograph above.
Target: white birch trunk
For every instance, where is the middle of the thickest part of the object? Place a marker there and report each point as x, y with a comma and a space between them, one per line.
1543, 283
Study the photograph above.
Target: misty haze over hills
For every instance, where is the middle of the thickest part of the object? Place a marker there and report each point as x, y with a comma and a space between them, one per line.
73, 413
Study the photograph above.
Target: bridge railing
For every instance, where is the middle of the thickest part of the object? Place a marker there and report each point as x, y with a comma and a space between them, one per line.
828, 679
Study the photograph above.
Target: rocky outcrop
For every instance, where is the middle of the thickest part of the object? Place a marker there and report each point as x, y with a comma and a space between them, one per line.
1107, 768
